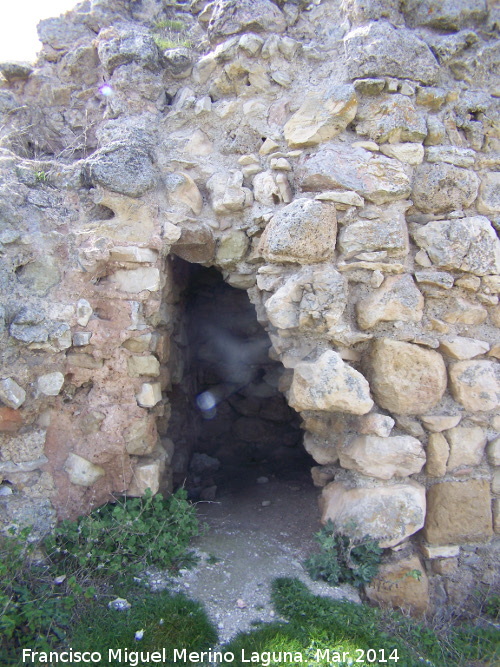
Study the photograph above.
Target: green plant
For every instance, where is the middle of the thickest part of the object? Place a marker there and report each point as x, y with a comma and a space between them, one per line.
492, 606
130, 534
170, 24
40, 176
34, 610
164, 43
344, 558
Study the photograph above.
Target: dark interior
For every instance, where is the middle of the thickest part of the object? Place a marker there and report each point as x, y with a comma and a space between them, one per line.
236, 423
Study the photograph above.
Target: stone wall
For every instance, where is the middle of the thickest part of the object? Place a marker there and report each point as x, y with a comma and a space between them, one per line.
339, 161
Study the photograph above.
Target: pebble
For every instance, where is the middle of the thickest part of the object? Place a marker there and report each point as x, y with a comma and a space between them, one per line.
262, 480
266, 503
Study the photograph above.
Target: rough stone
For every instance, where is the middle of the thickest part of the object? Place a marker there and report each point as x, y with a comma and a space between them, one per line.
82, 472
493, 451
345, 198
230, 18
20, 512
321, 116
476, 384
438, 451
11, 393
385, 232
442, 187
460, 311
50, 384
460, 157
15, 70
488, 201
444, 14
466, 446
405, 378
331, 385
83, 312
435, 278
149, 395
460, 347
438, 423
136, 280
396, 586
467, 244
392, 119
495, 483
375, 424
123, 168
397, 299
389, 514
182, 189
375, 177
232, 248
322, 450
458, 512
121, 47
178, 62
228, 195
148, 365
410, 153
304, 231
146, 475
195, 245
313, 298
380, 49
384, 458
140, 437
433, 552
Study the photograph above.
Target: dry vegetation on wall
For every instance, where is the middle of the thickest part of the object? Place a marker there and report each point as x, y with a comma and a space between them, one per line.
340, 161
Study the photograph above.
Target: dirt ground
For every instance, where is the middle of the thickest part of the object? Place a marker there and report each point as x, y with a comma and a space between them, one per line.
247, 544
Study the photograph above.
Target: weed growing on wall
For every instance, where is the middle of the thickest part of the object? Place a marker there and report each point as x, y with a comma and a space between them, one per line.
344, 559
130, 534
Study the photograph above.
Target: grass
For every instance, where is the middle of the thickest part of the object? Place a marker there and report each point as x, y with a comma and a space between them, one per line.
170, 34
168, 621
363, 633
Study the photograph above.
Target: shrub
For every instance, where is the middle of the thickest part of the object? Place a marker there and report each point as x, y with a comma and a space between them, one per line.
344, 559
130, 534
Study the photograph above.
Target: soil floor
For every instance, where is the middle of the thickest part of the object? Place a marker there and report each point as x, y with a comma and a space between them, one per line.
254, 533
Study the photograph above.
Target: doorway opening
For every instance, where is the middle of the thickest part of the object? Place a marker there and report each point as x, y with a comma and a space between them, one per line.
231, 424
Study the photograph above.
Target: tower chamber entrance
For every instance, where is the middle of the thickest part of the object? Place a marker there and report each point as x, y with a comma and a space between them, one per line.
228, 414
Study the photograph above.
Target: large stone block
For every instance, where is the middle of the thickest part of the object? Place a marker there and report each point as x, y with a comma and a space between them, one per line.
123, 168
393, 118
389, 514
405, 378
117, 48
398, 299
399, 456
442, 187
141, 437
387, 232
398, 585
312, 299
476, 384
195, 244
148, 365
467, 244
379, 49
331, 385
136, 280
227, 192
458, 512
375, 177
444, 14
305, 231
146, 475
230, 18
321, 116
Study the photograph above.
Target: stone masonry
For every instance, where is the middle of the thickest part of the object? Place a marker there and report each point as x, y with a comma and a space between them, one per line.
337, 159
